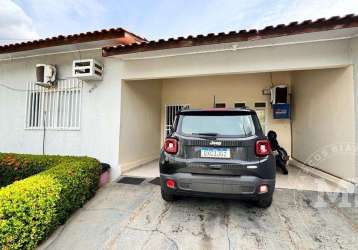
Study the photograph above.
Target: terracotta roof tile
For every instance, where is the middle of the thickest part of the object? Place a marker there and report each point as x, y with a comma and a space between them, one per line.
293, 28
122, 35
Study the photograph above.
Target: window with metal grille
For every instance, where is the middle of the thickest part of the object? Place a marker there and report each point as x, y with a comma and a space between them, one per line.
54, 108
170, 112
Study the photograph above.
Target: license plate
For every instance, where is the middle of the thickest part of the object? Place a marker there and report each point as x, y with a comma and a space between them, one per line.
215, 153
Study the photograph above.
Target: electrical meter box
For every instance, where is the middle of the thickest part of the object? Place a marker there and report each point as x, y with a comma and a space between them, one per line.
281, 111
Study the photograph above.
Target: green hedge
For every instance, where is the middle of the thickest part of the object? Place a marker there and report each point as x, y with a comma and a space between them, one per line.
32, 208
14, 167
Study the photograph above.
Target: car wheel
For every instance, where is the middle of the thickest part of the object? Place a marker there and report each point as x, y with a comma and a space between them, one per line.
264, 202
167, 196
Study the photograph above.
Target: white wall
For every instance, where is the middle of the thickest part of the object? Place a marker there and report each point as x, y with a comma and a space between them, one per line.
140, 123
323, 120
99, 133
354, 58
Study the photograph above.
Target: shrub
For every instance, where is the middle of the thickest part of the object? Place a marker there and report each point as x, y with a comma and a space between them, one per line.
32, 208
14, 167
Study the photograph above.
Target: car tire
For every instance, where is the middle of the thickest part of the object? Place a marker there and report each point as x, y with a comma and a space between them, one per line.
264, 202
167, 196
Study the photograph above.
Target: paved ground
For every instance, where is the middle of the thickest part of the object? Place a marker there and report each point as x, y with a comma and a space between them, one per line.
296, 179
123, 216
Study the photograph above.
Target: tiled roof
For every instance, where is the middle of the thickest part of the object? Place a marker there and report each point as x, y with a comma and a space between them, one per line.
293, 28
123, 37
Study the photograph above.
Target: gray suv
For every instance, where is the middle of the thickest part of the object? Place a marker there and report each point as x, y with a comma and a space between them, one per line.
218, 153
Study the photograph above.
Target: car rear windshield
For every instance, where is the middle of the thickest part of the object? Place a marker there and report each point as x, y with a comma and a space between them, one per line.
233, 125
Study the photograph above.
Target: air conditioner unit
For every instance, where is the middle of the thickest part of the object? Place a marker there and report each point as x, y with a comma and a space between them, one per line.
279, 94
45, 75
87, 69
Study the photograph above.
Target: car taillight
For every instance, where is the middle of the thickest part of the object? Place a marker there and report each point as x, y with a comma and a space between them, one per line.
171, 184
171, 146
263, 148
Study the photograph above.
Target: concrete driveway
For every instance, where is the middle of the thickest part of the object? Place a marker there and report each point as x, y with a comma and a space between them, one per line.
123, 216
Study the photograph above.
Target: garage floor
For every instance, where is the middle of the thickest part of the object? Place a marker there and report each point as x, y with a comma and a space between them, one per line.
123, 216
296, 179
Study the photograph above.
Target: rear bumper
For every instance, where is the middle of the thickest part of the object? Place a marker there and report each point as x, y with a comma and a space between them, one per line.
264, 168
217, 186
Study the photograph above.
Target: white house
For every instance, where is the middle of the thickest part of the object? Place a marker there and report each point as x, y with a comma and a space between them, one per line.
122, 118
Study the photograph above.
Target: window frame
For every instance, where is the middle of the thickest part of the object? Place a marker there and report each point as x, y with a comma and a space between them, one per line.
64, 87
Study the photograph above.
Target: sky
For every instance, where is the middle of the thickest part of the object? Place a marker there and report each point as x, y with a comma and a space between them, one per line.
22, 20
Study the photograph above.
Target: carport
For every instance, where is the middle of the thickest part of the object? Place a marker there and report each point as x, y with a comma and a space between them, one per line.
318, 69
321, 102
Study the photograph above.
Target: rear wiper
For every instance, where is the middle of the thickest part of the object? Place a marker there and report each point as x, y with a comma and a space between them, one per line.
206, 134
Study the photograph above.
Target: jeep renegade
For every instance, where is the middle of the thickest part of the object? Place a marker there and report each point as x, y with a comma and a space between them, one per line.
217, 153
